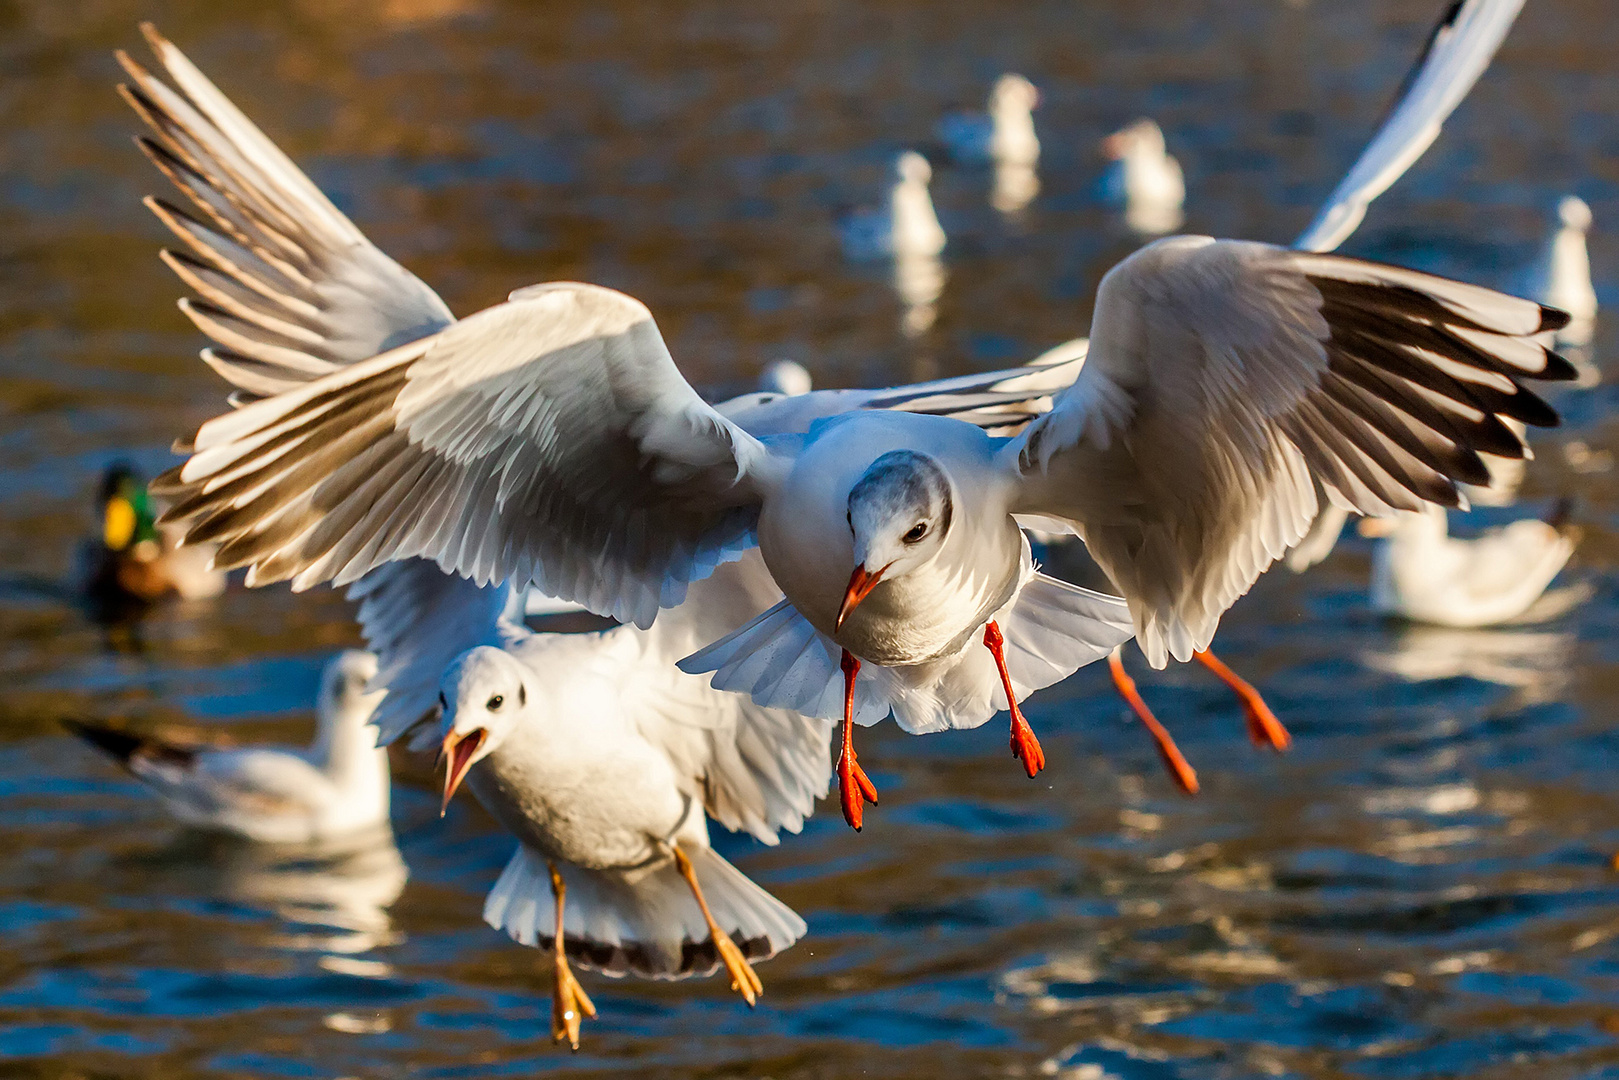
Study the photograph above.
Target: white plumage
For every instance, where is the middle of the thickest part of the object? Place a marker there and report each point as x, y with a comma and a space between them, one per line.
336, 788
1145, 180
1003, 134
1420, 572
906, 226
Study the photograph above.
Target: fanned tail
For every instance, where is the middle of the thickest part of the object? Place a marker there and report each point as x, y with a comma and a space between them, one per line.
644, 921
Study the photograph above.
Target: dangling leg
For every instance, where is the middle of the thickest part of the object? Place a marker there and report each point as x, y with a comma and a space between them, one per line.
1263, 727
743, 979
855, 789
1177, 764
569, 1002
1025, 747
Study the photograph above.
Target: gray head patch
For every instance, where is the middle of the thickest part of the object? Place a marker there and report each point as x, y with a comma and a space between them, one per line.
904, 484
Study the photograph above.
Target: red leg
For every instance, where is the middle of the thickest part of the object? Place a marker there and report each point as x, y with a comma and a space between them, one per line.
1263, 727
855, 789
1177, 764
1025, 747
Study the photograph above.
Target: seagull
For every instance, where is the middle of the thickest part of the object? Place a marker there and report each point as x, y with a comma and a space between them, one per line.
336, 788
1421, 573
1004, 134
133, 562
613, 855
788, 378
1561, 277
1146, 180
552, 439
907, 226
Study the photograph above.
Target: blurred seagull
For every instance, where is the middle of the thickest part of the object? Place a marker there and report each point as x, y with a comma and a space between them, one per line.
1004, 134
1420, 572
1561, 277
907, 226
336, 788
552, 439
1145, 179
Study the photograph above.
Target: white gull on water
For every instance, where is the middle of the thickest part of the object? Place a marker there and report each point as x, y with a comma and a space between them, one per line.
338, 787
552, 439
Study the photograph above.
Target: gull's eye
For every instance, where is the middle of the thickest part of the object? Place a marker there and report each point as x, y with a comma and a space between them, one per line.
495, 702
919, 530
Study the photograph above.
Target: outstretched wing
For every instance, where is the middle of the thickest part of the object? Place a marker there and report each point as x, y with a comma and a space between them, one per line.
1224, 375
288, 287
548, 439
757, 770
1458, 50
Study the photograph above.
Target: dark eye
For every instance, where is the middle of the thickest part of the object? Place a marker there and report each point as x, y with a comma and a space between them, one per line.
522, 695
919, 530
495, 702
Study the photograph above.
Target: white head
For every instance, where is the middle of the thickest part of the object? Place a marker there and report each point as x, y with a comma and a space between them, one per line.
1573, 212
899, 514
913, 168
482, 695
786, 377
343, 704
1013, 92
1144, 137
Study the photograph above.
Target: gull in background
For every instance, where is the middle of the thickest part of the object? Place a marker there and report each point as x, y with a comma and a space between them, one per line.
1004, 136
1420, 572
552, 439
1145, 179
907, 231
1561, 277
336, 788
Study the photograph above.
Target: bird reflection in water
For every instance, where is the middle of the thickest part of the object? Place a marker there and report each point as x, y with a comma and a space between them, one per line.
1533, 662
333, 897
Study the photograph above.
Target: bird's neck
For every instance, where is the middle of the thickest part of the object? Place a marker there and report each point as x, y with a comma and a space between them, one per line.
349, 755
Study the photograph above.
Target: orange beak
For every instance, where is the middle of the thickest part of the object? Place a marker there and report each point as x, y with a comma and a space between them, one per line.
860, 586
458, 754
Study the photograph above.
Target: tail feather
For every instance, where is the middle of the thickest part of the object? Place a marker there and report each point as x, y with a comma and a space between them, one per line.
125, 747
644, 922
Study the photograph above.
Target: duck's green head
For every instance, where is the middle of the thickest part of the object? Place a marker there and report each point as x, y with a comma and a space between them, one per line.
126, 513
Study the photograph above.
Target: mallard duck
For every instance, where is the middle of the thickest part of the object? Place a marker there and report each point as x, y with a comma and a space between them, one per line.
135, 561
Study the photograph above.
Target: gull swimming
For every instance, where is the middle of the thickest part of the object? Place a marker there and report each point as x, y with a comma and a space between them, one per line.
552, 439
1422, 573
1561, 277
906, 226
336, 788
1146, 179
1004, 133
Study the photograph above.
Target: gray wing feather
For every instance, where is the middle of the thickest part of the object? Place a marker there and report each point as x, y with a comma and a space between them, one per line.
548, 439
1225, 377
287, 285
1458, 51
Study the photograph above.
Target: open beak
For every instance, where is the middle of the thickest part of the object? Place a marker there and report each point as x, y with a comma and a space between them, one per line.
458, 753
860, 585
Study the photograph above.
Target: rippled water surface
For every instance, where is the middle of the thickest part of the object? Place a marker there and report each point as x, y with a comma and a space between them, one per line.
1420, 888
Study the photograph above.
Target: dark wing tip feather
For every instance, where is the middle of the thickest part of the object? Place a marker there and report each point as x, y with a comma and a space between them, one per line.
1558, 369
124, 747
168, 483
1553, 318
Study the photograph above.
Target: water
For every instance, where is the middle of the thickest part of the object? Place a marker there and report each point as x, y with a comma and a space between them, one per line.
1420, 888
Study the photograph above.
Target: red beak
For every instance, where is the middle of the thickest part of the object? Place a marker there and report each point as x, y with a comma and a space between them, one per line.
860, 586
458, 752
